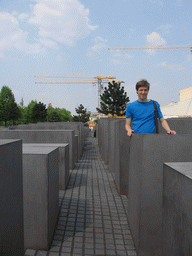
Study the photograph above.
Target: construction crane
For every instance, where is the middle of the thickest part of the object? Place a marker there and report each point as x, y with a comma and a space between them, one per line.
66, 82
153, 47
99, 79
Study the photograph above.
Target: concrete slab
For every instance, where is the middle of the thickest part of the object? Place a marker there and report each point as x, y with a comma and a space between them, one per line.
11, 199
78, 127
63, 160
177, 209
180, 125
46, 136
40, 194
145, 185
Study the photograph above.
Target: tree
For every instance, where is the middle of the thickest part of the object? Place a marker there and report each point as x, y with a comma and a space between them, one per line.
6, 97
83, 114
27, 112
13, 111
21, 104
114, 100
58, 115
39, 112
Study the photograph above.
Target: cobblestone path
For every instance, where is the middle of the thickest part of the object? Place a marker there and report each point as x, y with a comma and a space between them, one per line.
92, 218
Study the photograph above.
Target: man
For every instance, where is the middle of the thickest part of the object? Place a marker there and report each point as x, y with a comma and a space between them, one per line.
141, 113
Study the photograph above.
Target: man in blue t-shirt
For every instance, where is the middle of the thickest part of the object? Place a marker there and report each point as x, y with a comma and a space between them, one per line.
141, 113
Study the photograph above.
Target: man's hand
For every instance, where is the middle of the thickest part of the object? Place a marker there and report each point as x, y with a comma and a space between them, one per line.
128, 126
130, 132
171, 132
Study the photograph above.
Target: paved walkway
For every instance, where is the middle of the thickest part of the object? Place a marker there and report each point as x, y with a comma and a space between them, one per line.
92, 219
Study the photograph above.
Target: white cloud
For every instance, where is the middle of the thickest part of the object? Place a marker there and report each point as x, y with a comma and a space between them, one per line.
63, 21
99, 44
48, 43
154, 39
119, 57
12, 37
23, 16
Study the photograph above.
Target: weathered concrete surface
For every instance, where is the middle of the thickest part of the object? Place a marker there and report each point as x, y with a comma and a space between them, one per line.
112, 143
11, 199
122, 173
78, 127
180, 125
46, 136
145, 185
63, 160
177, 209
114, 149
103, 138
40, 195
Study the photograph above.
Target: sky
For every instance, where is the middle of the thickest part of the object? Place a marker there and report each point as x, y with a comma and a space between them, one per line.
72, 37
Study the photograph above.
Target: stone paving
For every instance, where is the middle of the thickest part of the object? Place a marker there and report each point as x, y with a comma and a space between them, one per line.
92, 218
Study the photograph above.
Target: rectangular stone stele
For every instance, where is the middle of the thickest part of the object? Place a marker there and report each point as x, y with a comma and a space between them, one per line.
40, 193
177, 209
46, 136
63, 160
11, 199
145, 190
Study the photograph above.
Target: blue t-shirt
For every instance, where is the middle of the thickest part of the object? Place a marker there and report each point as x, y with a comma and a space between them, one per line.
143, 116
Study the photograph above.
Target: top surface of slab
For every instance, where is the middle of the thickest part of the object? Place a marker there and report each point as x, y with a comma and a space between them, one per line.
45, 144
38, 150
183, 167
6, 141
40, 130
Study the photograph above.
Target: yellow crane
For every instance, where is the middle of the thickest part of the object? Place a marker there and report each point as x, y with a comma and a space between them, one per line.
67, 82
152, 47
98, 78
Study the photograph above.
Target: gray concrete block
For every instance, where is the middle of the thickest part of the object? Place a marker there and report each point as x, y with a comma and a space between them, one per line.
78, 127
122, 170
145, 185
40, 194
177, 209
180, 125
112, 144
46, 136
11, 199
63, 160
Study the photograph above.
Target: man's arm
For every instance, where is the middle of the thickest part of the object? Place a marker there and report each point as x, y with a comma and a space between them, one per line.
128, 127
166, 126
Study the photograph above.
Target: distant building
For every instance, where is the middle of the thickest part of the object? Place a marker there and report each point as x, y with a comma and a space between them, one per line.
183, 108
95, 115
185, 94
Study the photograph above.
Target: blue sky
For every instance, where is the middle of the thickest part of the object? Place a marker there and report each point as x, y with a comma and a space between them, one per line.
64, 37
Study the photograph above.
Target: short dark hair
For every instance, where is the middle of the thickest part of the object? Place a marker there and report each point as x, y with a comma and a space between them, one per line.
142, 83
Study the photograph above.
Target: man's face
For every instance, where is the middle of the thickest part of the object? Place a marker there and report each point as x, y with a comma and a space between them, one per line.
142, 93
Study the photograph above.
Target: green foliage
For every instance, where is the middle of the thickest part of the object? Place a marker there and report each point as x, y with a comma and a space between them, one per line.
13, 112
58, 115
27, 113
54, 117
7, 101
96, 120
114, 100
39, 112
83, 114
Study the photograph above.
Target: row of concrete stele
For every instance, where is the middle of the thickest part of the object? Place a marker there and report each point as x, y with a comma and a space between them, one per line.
35, 164
154, 171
